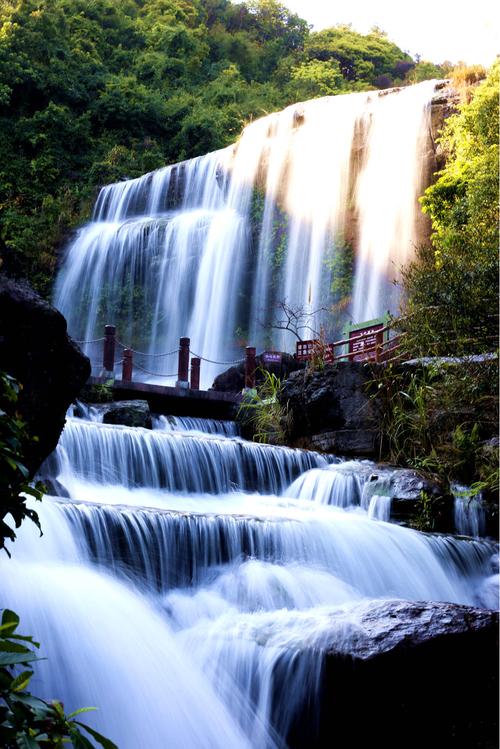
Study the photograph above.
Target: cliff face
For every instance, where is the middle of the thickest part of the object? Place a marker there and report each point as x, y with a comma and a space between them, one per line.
36, 350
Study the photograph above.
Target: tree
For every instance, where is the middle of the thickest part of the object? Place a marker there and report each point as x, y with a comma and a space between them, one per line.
316, 78
452, 288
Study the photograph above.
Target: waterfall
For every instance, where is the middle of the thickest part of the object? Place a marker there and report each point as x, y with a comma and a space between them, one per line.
173, 460
469, 512
208, 248
190, 581
191, 424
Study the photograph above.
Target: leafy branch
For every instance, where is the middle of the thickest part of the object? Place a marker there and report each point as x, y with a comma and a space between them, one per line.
28, 722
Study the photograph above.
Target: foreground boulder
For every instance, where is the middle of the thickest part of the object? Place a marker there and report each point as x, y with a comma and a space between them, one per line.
36, 349
400, 674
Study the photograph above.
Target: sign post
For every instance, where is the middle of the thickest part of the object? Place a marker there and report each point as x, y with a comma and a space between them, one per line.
365, 336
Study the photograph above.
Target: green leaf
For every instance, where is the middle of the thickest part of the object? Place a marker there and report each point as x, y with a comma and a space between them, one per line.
10, 621
6, 646
10, 659
20, 683
26, 742
79, 741
80, 711
103, 741
34, 702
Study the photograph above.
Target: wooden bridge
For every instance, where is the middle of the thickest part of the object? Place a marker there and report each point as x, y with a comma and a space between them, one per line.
370, 343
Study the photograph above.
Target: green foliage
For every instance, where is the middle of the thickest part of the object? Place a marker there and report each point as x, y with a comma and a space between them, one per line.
262, 413
14, 475
98, 393
27, 722
426, 511
425, 70
438, 418
370, 60
97, 92
340, 264
316, 78
452, 287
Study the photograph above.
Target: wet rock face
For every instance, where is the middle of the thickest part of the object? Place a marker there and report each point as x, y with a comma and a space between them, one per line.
334, 408
36, 350
129, 413
418, 675
406, 487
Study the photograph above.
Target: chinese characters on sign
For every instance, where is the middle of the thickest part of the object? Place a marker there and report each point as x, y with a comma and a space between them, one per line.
271, 357
363, 339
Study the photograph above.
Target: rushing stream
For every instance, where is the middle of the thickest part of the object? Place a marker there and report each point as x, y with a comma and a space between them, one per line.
185, 569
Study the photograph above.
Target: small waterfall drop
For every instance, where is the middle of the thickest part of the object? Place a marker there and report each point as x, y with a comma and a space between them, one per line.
469, 512
208, 247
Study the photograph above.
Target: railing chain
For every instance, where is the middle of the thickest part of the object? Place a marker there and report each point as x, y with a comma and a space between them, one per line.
211, 361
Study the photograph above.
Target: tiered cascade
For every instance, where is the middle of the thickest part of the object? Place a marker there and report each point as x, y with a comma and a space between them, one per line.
177, 583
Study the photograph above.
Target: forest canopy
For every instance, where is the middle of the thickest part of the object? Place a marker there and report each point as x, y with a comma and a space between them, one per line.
94, 91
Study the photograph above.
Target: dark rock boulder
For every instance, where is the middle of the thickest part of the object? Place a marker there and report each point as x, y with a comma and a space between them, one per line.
402, 674
334, 408
36, 349
129, 413
233, 379
361, 442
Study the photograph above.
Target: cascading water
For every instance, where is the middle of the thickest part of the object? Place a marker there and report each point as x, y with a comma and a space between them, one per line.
469, 512
188, 575
207, 248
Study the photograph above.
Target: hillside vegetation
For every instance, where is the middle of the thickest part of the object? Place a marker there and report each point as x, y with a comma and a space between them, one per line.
443, 417
92, 92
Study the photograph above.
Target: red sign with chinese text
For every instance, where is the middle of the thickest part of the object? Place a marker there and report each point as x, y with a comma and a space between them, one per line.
363, 339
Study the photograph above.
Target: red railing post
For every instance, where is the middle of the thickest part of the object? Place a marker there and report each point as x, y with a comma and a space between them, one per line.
108, 356
195, 373
183, 367
127, 365
250, 367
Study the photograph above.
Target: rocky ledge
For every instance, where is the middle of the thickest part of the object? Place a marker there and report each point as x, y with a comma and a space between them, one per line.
233, 379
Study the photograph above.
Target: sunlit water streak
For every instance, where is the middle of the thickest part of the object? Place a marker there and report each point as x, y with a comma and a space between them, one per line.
190, 250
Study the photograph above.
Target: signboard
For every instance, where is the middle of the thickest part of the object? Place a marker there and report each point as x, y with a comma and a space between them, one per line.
362, 339
271, 357
305, 350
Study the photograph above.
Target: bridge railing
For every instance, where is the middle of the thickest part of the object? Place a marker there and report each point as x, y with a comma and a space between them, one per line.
372, 345
108, 352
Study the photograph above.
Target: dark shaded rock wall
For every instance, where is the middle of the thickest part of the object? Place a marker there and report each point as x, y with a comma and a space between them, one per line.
36, 350
332, 408
419, 675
